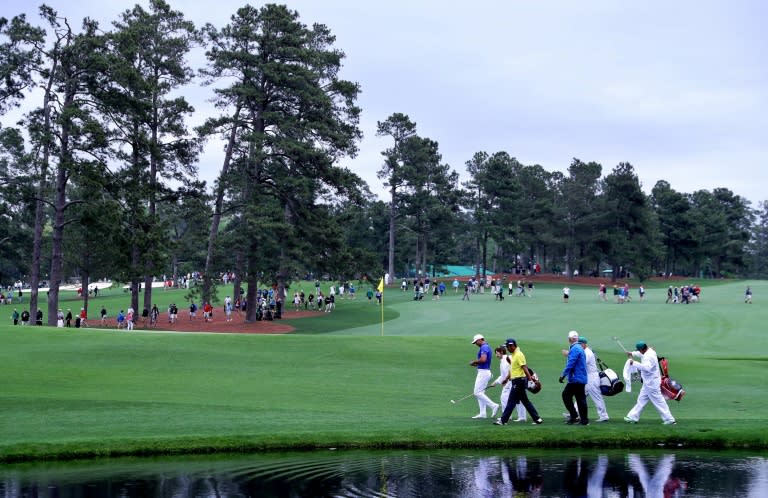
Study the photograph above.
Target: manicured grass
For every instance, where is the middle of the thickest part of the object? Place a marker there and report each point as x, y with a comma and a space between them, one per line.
338, 382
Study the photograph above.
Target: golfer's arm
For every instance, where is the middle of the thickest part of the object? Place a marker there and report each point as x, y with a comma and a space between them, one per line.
527, 372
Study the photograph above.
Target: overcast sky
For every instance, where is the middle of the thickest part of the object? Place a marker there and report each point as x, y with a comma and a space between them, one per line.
679, 89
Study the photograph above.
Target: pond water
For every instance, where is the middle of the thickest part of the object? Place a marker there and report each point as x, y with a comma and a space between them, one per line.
439, 473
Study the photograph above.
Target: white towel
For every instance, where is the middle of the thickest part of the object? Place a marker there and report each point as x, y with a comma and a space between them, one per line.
629, 369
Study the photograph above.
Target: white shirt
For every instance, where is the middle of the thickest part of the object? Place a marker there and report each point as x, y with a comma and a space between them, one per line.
504, 370
592, 372
648, 367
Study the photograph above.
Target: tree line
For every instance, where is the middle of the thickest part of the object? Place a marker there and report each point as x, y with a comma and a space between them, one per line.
99, 178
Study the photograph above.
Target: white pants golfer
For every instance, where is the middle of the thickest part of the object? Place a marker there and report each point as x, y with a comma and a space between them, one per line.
652, 394
521, 413
481, 382
593, 390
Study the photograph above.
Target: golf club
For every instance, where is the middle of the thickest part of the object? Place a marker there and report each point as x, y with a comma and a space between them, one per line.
620, 344
467, 396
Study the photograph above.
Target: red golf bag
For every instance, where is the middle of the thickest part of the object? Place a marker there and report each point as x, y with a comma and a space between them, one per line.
670, 388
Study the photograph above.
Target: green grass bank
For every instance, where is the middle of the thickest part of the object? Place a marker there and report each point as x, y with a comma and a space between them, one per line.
338, 382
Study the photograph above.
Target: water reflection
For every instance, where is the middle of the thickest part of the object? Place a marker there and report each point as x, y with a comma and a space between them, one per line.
400, 474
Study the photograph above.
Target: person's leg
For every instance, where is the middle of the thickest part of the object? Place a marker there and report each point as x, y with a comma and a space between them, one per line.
660, 403
642, 400
505, 395
581, 403
567, 395
512, 400
483, 401
521, 416
593, 389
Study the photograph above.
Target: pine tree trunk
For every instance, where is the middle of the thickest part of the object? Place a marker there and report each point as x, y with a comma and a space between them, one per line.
60, 206
216, 220
42, 190
392, 224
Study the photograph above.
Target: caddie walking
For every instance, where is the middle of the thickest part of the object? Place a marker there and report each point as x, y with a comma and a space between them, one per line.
648, 366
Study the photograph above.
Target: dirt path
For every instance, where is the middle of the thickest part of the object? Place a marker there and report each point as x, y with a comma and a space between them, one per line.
218, 323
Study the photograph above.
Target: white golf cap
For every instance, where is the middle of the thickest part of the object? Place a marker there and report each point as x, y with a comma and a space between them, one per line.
477, 337
573, 334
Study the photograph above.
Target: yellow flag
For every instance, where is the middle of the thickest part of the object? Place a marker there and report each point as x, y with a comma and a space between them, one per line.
380, 288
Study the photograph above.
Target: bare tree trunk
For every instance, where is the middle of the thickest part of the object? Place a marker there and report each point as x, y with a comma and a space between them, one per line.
148, 279
282, 274
478, 256
149, 264
60, 207
485, 254
57, 252
219, 203
253, 283
42, 188
135, 282
37, 242
84, 283
417, 259
237, 281
392, 225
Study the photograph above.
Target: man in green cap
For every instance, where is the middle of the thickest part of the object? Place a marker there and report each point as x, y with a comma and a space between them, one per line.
648, 366
593, 381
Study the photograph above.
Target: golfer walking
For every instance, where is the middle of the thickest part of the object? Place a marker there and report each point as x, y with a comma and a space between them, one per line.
519, 376
505, 362
483, 364
576, 371
648, 366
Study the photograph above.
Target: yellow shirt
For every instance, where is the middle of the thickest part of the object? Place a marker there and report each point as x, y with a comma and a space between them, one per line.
518, 360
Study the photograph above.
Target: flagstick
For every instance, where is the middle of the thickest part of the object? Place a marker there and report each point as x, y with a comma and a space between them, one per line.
382, 309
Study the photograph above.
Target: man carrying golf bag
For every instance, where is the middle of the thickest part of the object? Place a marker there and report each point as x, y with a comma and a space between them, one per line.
648, 366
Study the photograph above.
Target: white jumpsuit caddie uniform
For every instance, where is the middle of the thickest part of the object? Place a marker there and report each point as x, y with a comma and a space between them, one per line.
593, 385
651, 390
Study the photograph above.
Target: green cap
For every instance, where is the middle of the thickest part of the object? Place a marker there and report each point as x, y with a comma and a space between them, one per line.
640, 345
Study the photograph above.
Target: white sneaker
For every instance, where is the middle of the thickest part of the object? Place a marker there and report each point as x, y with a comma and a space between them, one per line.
479, 415
519, 420
603, 419
669, 422
494, 410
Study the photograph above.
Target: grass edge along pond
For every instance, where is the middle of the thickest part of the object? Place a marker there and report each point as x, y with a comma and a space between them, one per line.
79, 393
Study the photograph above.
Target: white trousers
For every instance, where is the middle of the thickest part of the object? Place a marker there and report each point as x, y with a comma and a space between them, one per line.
653, 395
481, 382
593, 390
521, 413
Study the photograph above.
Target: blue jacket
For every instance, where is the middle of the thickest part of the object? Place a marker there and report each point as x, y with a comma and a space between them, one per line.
576, 367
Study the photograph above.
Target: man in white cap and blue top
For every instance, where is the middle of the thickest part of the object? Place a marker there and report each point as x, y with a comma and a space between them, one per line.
483, 364
648, 366
576, 371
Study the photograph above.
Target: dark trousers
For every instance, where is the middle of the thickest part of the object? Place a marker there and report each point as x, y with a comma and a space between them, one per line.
518, 394
574, 390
